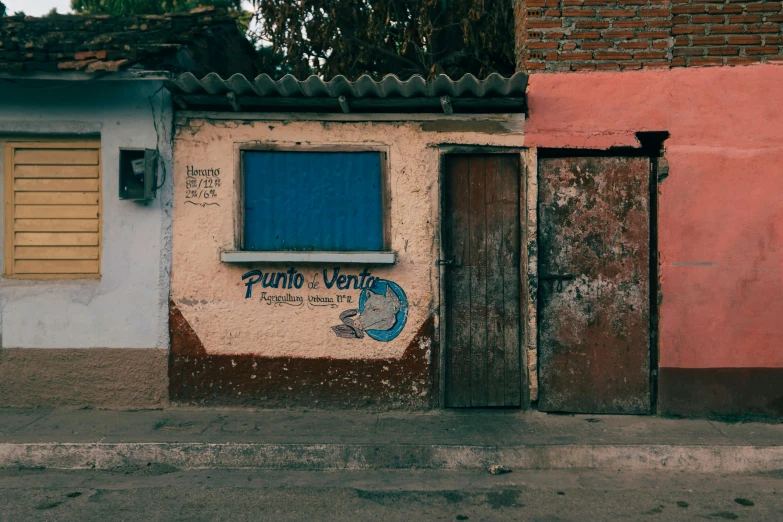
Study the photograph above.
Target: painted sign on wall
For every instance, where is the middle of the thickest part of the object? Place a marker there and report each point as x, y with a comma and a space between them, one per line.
379, 311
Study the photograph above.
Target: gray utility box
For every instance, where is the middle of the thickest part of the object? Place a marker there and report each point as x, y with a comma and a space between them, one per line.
138, 173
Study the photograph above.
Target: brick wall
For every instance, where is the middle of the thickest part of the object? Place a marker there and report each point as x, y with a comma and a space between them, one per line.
726, 33
579, 35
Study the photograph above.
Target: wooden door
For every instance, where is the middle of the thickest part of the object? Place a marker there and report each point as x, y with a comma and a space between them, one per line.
481, 235
594, 285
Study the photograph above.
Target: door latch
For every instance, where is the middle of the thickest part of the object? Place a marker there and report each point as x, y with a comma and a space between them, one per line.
447, 262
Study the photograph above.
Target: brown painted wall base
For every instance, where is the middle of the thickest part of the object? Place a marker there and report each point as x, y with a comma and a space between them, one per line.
95, 377
198, 377
740, 392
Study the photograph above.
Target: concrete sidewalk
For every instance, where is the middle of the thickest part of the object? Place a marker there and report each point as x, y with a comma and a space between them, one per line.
466, 440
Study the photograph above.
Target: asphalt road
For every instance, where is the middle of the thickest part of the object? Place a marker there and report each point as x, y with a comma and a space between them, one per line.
153, 493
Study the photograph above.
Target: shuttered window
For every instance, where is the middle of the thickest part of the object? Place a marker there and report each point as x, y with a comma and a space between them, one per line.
313, 201
52, 214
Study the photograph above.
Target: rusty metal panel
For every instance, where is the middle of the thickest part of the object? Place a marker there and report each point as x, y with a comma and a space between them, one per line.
594, 285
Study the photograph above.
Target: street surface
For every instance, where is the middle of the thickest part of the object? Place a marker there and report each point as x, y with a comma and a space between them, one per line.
155, 493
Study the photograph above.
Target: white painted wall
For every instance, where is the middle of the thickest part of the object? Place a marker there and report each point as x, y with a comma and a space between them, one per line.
128, 306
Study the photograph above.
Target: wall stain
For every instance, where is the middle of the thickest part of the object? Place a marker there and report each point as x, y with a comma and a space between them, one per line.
198, 377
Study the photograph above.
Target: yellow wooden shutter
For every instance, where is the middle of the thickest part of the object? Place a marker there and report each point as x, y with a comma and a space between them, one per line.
52, 218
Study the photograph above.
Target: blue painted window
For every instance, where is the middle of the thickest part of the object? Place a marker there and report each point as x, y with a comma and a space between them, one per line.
322, 201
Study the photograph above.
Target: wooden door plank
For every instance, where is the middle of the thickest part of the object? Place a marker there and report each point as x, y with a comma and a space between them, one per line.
55, 239
50, 252
56, 157
457, 248
57, 198
57, 211
57, 185
478, 282
56, 225
510, 263
55, 171
56, 267
496, 198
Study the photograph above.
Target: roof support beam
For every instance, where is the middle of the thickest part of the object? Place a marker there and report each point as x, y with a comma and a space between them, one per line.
445, 102
344, 105
232, 99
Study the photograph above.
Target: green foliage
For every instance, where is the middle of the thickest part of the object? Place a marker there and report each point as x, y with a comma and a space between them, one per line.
378, 37
157, 7
2, 9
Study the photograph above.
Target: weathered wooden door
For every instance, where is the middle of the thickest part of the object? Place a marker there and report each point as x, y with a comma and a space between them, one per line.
594, 285
481, 233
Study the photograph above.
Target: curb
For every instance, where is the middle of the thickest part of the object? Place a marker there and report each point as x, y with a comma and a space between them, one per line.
193, 456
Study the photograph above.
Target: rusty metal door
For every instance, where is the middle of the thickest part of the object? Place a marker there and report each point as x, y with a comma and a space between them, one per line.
481, 235
594, 285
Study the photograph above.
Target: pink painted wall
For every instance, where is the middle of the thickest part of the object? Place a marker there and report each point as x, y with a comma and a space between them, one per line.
721, 208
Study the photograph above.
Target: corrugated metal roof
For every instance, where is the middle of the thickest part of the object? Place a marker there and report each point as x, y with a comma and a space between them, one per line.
468, 94
390, 86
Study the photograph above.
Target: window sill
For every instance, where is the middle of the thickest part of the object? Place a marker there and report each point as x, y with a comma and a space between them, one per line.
363, 258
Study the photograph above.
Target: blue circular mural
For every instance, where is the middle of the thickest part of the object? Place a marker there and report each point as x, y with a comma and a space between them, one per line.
383, 290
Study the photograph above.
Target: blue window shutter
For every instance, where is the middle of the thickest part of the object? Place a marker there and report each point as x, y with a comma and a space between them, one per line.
328, 201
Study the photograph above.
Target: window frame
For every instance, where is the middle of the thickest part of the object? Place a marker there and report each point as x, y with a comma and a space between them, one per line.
43, 142
240, 255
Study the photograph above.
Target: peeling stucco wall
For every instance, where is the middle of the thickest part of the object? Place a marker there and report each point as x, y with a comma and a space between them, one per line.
211, 295
128, 306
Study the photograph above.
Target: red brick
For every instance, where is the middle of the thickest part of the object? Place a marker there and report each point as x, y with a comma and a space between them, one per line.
564, 57
542, 45
708, 40
618, 34
607, 67
554, 36
678, 62
726, 29
681, 20
744, 40
688, 29
649, 55
599, 2
682, 40
765, 28
535, 3
775, 18
708, 19
688, 9
107, 66
632, 2
689, 51
583, 67
745, 19
617, 13
569, 46
724, 9
591, 25
655, 24
597, 45
660, 44
764, 7
630, 66
633, 45
543, 24
572, 3
654, 13
578, 13
722, 51
655, 65
612, 56
761, 50
535, 66
660, 2
773, 40
584, 35
625, 24
658, 35
706, 61
736, 60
